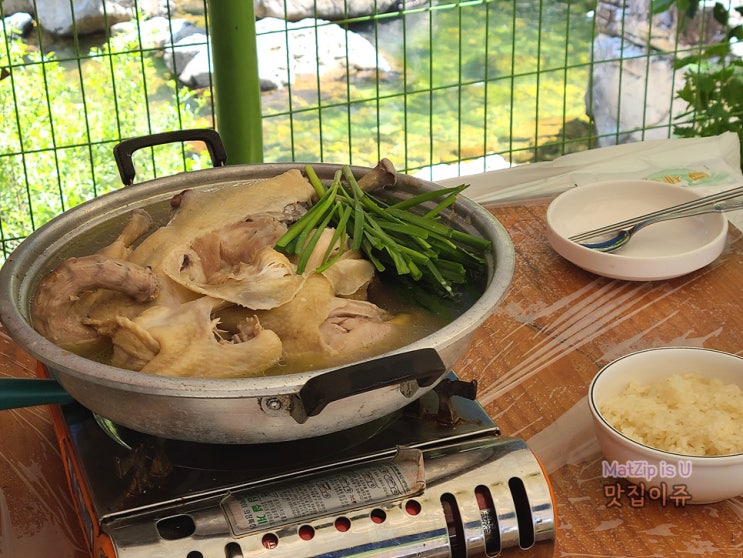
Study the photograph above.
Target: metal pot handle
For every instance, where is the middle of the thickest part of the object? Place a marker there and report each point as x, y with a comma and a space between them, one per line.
124, 150
419, 368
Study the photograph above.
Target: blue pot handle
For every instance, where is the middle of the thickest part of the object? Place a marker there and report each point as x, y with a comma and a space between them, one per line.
25, 392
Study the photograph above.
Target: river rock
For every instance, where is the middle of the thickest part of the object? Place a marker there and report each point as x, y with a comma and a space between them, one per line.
295, 10
633, 84
187, 55
633, 100
631, 19
188, 58
11, 7
19, 25
337, 50
155, 32
55, 16
97, 16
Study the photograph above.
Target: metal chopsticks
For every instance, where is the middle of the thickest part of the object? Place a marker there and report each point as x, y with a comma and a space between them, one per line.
694, 204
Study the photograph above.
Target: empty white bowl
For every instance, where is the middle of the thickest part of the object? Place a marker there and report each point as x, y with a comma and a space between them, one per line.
660, 251
706, 478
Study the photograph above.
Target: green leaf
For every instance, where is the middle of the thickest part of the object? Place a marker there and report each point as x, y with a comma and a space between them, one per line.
660, 6
720, 13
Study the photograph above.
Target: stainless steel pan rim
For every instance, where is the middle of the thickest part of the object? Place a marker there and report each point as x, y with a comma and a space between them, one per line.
44, 248
32, 262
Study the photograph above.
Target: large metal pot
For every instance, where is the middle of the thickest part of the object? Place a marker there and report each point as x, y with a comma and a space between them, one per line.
247, 410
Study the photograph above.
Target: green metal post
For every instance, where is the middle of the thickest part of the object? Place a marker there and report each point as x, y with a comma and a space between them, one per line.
237, 87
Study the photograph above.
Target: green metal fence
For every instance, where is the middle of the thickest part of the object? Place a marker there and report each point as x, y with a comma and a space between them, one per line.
454, 82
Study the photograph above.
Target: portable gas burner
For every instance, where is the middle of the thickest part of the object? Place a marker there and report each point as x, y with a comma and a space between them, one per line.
436, 479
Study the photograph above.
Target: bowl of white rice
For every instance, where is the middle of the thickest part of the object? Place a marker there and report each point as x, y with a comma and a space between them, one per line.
670, 420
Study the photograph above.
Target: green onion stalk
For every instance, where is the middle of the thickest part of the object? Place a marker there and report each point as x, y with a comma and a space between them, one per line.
395, 237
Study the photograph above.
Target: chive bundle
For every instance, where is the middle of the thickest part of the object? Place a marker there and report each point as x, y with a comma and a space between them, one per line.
414, 245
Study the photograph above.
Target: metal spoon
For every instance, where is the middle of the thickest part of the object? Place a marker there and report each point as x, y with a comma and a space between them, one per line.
622, 236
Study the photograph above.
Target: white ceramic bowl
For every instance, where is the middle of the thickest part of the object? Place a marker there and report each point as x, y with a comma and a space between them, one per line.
661, 251
706, 478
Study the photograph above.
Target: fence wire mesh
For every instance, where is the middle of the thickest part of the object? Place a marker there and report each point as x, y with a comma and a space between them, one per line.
450, 84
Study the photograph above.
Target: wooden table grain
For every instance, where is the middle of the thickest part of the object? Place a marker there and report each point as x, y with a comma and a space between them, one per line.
533, 360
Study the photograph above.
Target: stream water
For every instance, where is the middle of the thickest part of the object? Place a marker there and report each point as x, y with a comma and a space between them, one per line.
468, 79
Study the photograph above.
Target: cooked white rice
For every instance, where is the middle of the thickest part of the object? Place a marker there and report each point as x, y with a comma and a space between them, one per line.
684, 413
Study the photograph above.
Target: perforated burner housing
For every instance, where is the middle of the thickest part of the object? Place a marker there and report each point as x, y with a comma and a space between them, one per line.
437, 480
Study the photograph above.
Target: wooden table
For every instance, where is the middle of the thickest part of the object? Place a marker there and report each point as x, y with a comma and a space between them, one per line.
534, 360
